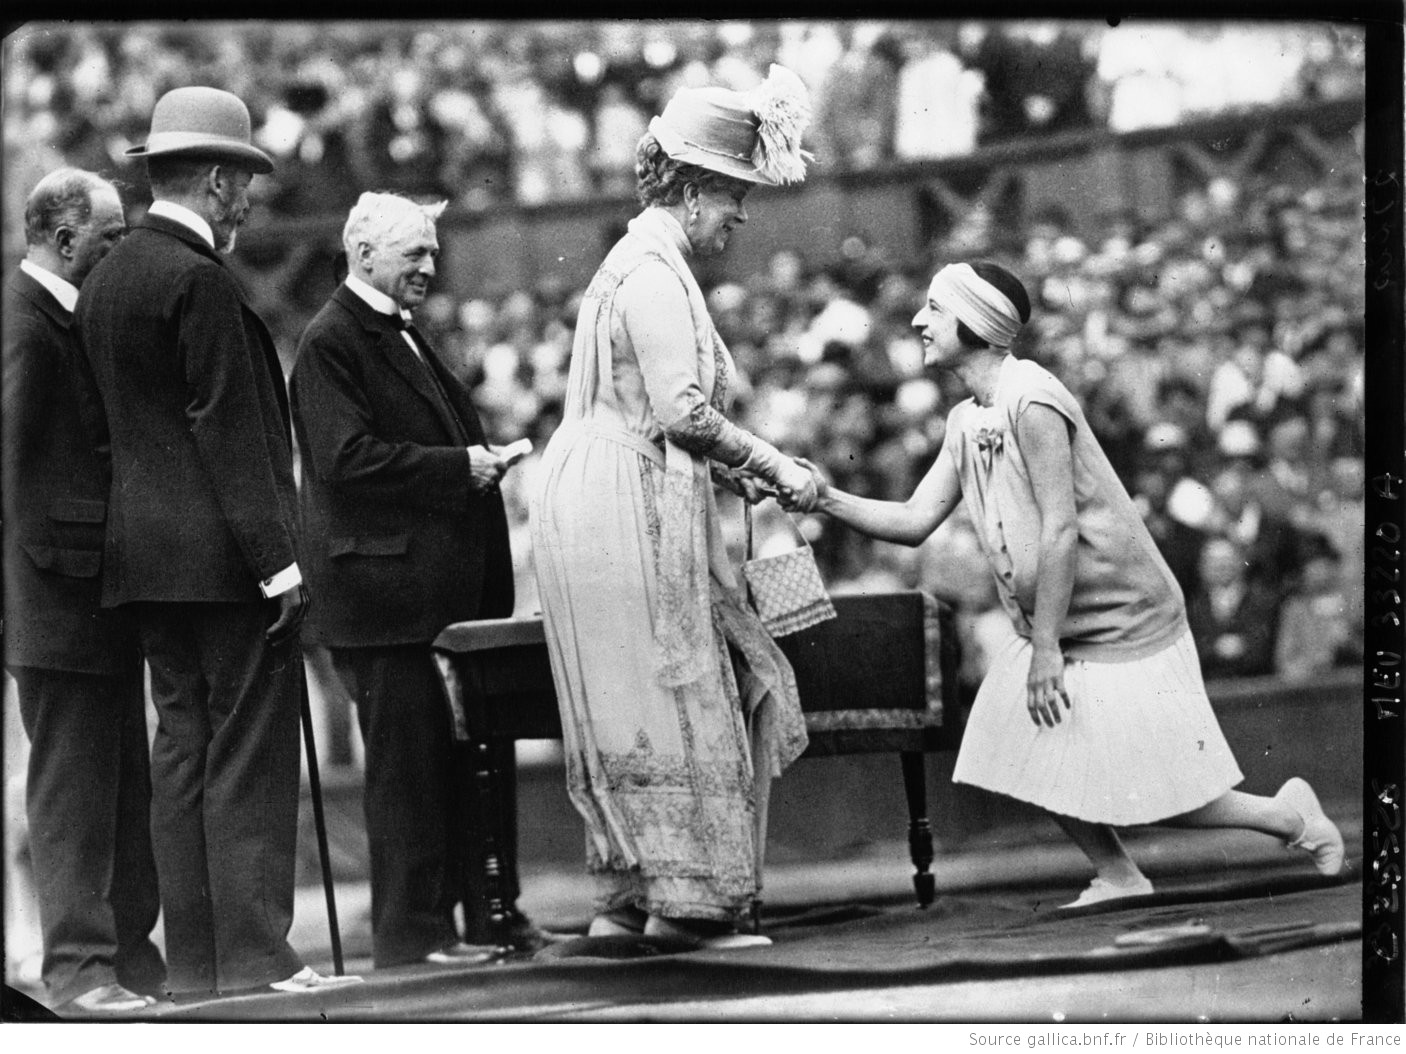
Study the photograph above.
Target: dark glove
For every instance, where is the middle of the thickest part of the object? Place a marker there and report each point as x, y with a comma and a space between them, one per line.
292, 609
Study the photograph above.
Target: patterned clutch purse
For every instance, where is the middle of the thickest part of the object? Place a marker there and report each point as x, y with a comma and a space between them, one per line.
786, 591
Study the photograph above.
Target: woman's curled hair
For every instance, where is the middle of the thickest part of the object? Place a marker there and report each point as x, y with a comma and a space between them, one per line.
659, 179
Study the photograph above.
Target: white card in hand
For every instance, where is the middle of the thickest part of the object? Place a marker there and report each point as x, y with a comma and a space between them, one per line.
516, 451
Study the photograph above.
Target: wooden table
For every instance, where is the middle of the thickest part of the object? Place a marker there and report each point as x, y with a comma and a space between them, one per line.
879, 678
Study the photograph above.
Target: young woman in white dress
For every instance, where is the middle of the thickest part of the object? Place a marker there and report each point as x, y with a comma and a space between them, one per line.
1096, 710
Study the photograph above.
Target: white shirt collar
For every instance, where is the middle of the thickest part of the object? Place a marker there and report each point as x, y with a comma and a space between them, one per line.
65, 292
185, 217
375, 299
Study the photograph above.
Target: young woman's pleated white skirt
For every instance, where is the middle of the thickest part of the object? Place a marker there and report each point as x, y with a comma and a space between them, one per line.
1140, 743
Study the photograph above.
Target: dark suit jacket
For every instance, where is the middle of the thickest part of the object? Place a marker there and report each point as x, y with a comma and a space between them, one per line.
397, 544
203, 503
55, 496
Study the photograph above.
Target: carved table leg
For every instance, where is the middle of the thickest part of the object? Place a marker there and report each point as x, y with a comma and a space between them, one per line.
915, 786
498, 918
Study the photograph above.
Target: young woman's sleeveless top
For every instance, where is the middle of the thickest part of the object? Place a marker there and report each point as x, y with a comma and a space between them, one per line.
1126, 604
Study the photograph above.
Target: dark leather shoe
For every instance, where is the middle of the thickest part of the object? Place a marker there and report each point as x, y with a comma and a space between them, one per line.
108, 999
526, 936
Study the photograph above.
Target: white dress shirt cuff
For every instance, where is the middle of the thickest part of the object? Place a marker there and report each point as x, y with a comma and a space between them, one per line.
280, 583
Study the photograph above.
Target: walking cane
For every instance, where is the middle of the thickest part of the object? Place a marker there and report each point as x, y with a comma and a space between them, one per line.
320, 823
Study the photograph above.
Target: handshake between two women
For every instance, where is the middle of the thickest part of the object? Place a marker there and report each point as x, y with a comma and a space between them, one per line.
797, 484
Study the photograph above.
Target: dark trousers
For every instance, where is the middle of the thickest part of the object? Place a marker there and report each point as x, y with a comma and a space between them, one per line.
419, 816
225, 770
88, 798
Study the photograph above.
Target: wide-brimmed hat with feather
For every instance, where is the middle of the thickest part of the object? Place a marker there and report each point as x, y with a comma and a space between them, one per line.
753, 135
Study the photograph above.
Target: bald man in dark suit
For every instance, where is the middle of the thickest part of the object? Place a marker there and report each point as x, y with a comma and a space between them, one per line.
78, 668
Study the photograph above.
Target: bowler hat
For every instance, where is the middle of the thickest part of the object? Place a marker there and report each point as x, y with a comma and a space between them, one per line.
754, 136
202, 122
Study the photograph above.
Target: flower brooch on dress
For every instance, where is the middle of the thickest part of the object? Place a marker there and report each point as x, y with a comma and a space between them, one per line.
989, 442
991, 439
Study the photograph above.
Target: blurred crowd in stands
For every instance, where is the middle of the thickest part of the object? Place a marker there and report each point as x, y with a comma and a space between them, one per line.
1218, 353
491, 112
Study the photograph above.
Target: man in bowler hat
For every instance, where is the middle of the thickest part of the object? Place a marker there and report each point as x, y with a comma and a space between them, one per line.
78, 668
406, 534
201, 548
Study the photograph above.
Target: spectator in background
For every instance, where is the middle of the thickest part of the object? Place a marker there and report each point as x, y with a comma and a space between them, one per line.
617, 127
1036, 79
1234, 615
1338, 514
1292, 476
1182, 402
1242, 382
475, 146
856, 122
1335, 420
1316, 628
813, 50
1268, 541
936, 110
1142, 70
1174, 507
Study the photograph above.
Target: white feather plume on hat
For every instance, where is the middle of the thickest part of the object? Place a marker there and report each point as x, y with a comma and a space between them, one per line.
782, 105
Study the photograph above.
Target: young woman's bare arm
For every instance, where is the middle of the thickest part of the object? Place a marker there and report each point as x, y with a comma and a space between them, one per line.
908, 522
1043, 435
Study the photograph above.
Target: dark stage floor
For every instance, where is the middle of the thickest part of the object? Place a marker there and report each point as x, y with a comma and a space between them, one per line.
1240, 930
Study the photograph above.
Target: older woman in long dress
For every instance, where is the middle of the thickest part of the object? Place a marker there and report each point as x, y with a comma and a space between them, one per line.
677, 707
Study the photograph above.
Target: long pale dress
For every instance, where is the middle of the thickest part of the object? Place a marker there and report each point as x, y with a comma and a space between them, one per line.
677, 708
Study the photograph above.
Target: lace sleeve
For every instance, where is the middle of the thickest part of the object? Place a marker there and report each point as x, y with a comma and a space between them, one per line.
655, 310
707, 433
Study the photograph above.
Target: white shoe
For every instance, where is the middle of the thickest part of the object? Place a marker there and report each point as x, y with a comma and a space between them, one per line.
626, 922
461, 954
674, 929
307, 979
1320, 836
108, 999
1101, 889
729, 941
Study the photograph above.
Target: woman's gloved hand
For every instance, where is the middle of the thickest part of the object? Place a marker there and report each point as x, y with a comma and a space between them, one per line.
797, 486
793, 481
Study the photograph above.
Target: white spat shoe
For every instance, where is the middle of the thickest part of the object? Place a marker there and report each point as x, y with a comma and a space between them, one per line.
1100, 890
678, 929
1320, 836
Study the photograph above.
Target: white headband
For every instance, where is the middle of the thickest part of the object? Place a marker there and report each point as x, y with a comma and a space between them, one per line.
986, 310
